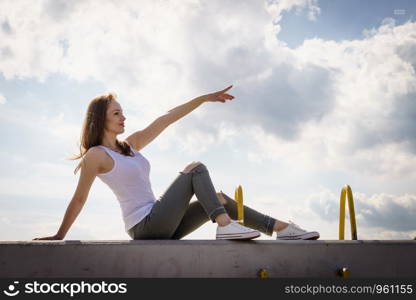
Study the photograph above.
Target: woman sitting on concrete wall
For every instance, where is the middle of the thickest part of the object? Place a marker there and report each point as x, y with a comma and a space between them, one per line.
125, 170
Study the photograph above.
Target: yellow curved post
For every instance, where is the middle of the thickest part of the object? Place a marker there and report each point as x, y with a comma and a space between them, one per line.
346, 191
238, 196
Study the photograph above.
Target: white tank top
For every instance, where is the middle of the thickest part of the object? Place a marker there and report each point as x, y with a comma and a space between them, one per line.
129, 180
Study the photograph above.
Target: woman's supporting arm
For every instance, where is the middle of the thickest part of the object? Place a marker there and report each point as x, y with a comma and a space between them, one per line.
71, 214
89, 170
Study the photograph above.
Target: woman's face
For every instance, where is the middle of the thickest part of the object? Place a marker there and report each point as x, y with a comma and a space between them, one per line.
115, 118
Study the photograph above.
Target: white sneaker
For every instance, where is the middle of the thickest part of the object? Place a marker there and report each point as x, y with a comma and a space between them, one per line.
235, 231
294, 232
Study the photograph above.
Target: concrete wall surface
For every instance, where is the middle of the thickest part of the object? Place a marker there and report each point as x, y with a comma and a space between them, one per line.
208, 258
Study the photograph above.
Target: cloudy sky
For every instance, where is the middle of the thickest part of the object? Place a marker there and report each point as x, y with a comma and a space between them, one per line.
324, 96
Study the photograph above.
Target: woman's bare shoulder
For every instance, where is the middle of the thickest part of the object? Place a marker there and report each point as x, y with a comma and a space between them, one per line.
95, 153
96, 157
96, 149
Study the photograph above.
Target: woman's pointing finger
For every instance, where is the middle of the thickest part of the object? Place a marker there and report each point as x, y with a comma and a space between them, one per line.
226, 89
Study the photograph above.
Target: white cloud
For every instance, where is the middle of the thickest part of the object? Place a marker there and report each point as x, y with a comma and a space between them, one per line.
277, 7
2, 99
389, 211
374, 107
55, 128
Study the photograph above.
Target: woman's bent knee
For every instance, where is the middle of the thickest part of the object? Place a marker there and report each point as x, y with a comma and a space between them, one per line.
192, 165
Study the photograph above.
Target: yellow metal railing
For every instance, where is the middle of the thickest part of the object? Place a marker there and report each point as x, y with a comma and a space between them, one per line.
346, 191
238, 196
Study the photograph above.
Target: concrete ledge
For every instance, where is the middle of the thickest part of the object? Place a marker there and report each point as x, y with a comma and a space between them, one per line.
207, 258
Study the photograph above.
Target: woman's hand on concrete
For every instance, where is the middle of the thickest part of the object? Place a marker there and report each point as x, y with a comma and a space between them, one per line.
53, 237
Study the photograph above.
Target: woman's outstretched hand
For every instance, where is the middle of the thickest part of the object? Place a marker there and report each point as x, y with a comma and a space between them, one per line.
220, 96
53, 237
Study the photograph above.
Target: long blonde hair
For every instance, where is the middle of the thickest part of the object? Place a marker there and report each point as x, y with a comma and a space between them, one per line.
93, 128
